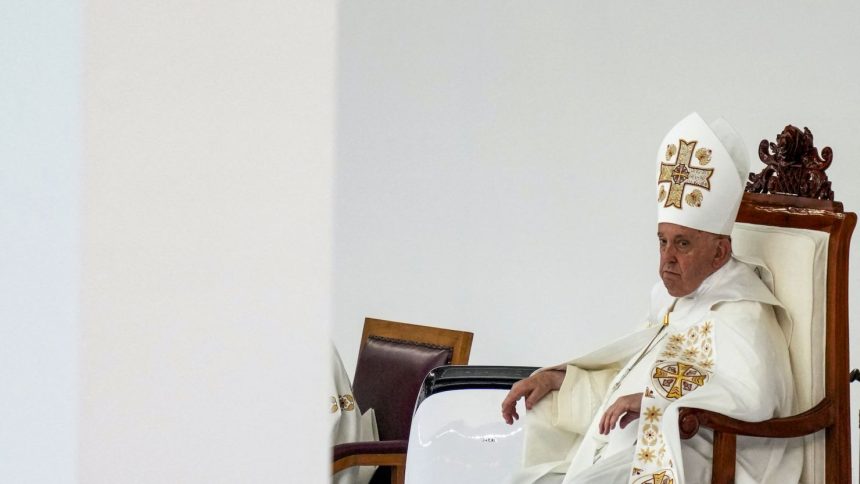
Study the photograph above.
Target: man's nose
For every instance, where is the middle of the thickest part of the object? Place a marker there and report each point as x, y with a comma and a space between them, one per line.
668, 253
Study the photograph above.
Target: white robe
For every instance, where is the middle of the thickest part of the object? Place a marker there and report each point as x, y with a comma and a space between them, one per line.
347, 422
722, 350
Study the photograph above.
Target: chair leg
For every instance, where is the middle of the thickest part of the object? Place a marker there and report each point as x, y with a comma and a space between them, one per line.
398, 474
723, 470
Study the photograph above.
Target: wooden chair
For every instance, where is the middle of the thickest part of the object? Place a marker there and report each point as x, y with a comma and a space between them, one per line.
803, 237
393, 360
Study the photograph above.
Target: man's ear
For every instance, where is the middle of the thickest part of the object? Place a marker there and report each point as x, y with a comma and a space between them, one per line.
723, 252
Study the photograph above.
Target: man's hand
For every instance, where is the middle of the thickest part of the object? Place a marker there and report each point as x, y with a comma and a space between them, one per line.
534, 388
626, 409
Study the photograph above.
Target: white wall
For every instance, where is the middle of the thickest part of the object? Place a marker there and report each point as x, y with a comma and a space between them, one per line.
206, 241
39, 222
495, 157
166, 281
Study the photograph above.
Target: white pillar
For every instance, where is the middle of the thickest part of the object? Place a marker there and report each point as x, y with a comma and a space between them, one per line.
206, 241
40, 55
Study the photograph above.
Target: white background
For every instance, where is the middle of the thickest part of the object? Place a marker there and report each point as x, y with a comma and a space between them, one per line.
495, 158
166, 176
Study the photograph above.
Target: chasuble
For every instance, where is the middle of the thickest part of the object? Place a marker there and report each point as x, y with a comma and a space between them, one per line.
719, 348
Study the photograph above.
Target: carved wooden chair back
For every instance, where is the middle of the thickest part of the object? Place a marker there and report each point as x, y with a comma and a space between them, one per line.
804, 242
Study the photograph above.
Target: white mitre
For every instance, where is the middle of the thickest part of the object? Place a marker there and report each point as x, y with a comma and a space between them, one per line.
701, 171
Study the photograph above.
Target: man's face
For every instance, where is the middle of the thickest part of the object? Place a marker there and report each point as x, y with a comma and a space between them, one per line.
687, 257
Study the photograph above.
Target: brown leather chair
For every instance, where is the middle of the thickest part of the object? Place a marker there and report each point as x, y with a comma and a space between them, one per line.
818, 308
393, 360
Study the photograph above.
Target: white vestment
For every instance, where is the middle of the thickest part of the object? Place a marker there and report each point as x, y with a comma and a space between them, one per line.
722, 350
347, 422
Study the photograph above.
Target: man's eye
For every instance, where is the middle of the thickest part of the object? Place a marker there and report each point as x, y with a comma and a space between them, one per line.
683, 243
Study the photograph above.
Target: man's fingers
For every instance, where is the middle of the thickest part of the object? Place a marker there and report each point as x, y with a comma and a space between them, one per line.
509, 404
510, 400
622, 412
533, 388
627, 418
606, 423
509, 413
534, 396
613, 418
608, 419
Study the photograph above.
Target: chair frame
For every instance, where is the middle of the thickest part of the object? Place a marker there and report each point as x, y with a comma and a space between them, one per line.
356, 454
392, 453
832, 413
460, 342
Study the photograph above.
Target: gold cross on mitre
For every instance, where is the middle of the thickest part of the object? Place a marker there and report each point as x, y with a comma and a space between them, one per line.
676, 380
681, 174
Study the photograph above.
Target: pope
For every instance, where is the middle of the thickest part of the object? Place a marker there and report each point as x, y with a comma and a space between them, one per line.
711, 340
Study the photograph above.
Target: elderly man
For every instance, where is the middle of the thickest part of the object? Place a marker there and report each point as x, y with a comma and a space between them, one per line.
711, 341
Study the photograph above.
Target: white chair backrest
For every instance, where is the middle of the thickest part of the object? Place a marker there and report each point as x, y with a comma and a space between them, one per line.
797, 259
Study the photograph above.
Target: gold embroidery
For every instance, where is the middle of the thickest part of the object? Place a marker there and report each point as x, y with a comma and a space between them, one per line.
649, 434
694, 198
334, 405
694, 346
676, 379
645, 455
670, 152
681, 174
703, 155
690, 353
682, 366
693, 334
664, 476
662, 195
671, 351
650, 448
653, 414
347, 403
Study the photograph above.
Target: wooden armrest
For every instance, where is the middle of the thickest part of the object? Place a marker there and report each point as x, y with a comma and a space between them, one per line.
812, 420
381, 453
370, 447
